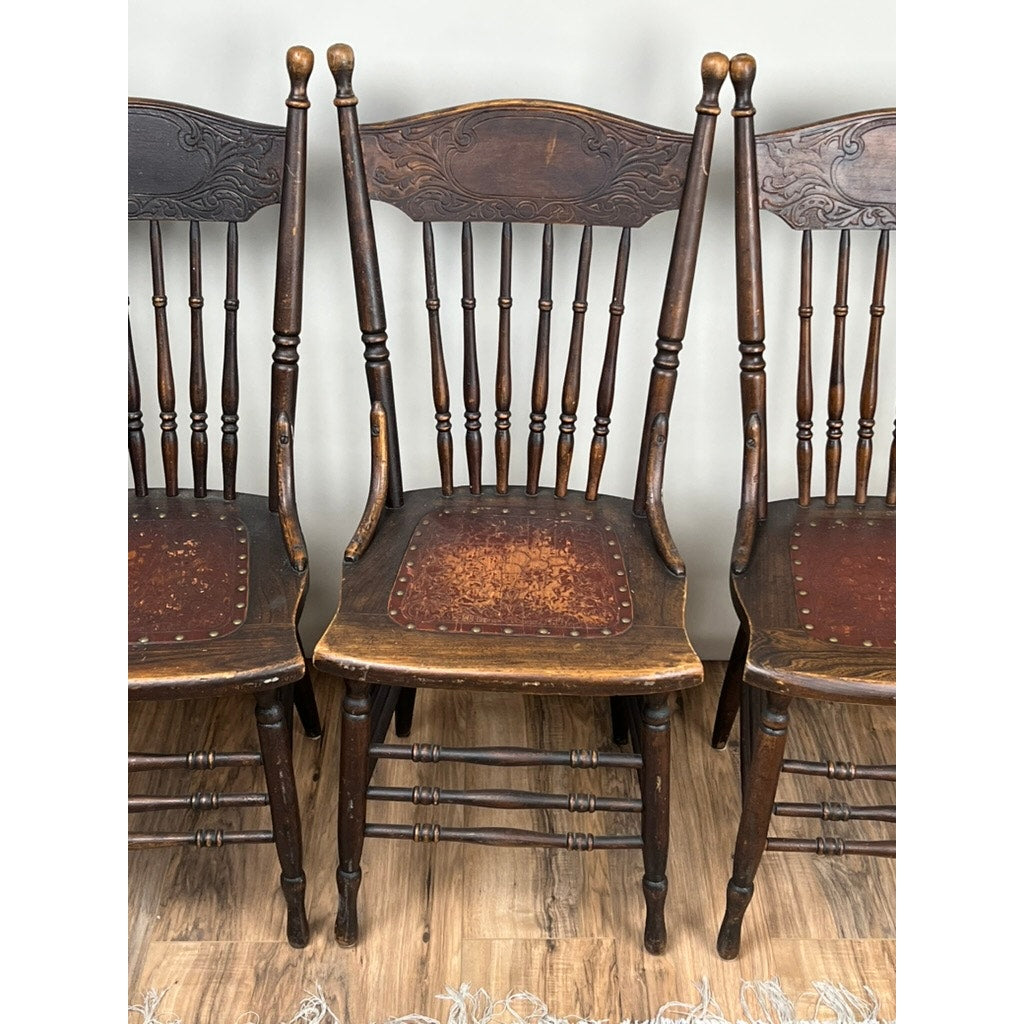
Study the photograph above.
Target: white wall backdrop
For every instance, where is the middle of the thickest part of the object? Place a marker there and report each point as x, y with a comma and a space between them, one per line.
814, 60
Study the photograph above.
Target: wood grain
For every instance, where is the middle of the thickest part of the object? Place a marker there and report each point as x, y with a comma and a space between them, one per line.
565, 926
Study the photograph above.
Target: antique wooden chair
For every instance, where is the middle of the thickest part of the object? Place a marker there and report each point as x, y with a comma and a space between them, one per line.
813, 577
216, 581
522, 589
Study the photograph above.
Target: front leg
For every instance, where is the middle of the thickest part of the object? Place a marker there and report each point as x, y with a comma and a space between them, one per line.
656, 751
355, 750
276, 747
759, 796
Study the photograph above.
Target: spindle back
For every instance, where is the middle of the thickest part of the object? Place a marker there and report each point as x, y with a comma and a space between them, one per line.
204, 168
572, 169
836, 176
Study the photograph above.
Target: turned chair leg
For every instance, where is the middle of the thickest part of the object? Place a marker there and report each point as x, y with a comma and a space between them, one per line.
305, 704
656, 753
275, 745
403, 711
759, 796
355, 750
729, 698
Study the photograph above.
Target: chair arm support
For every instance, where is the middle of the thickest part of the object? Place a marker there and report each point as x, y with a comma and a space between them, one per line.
284, 464
746, 518
654, 476
379, 458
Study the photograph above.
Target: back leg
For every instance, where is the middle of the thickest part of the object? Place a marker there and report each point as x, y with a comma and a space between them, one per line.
403, 711
620, 720
305, 704
729, 698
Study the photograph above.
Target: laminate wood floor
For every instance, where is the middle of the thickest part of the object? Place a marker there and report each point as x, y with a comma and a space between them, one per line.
208, 926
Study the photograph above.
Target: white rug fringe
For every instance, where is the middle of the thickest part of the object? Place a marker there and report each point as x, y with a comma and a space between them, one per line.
762, 1002
312, 1010
147, 1009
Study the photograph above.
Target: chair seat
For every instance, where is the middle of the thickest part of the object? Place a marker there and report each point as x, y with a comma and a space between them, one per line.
212, 597
534, 593
819, 599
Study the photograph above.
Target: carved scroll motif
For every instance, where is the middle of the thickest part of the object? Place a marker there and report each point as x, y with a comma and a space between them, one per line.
839, 174
186, 166
526, 162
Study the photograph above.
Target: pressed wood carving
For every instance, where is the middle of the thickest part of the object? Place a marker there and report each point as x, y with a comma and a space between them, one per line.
813, 176
526, 161
187, 164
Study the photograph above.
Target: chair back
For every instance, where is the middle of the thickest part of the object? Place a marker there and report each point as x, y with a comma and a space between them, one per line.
836, 178
578, 173
214, 172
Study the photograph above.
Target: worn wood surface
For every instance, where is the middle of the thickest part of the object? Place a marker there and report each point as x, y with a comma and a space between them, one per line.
526, 160
822, 609
814, 579
216, 583
262, 646
563, 925
546, 649
515, 590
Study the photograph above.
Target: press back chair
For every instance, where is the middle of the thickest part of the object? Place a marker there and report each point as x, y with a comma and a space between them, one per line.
216, 581
520, 589
813, 577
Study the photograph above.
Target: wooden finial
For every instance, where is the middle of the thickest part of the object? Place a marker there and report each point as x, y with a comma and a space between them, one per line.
300, 61
713, 69
342, 61
300, 66
742, 69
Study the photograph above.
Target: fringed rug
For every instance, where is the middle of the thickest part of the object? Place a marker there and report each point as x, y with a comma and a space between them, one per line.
762, 1002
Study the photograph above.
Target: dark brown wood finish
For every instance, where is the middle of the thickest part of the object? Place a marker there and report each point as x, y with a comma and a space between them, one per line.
538, 411
606, 390
813, 578
837, 374
229, 377
197, 363
573, 366
165, 375
470, 368
505, 587
503, 383
679, 284
438, 372
216, 582
136, 438
525, 161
